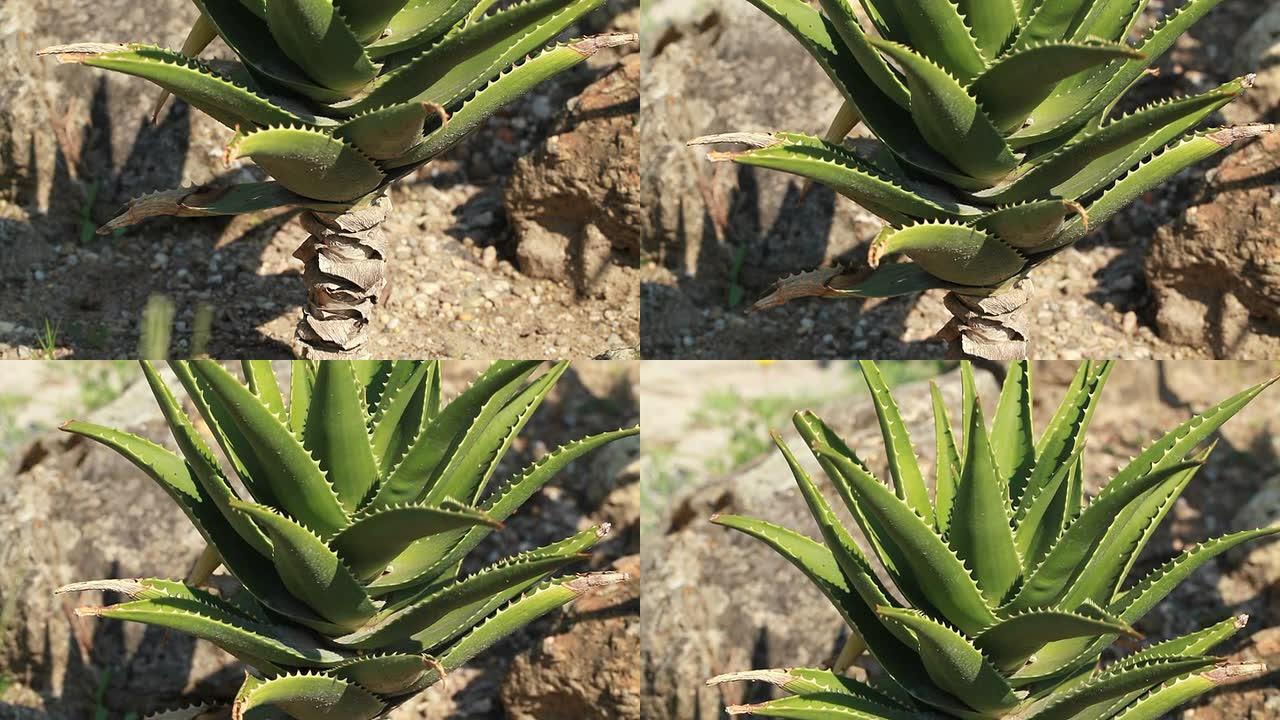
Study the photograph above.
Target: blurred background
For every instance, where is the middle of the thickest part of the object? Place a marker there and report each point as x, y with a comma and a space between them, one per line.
71, 510
716, 601
519, 243
1186, 272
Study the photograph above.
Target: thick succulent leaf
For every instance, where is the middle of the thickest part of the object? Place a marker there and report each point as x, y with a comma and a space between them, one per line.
442, 435
368, 18
818, 563
302, 378
529, 607
1052, 20
950, 119
1040, 518
214, 200
1027, 225
394, 425
954, 663
420, 23
1066, 431
261, 378
316, 37
841, 15
219, 97
1094, 160
1142, 597
389, 132
1178, 692
1053, 577
1014, 639
993, 22
1110, 19
1012, 434
937, 30
1153, 172
889, 197
808, 681
1117, 683
504, 89
1119, 548
1012, 88
306, 697
312, 571
1073, 107
948, 462
950, 587
292, 474
311, 163
385, 674
157, 588
955, 253
201, 35
243, 27
982, 533
904, 468
202, 464
822, 706
251, 642
466, 60
477, 457
890, 123
452, 610
336, 433
375, 538
176, 478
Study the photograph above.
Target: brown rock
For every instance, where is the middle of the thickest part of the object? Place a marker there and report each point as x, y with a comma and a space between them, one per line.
1216, 273
574, 202
588, 670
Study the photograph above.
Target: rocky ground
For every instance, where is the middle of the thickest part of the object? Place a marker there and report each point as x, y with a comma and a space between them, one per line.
70, 510
75, 145
718, 236
716, 601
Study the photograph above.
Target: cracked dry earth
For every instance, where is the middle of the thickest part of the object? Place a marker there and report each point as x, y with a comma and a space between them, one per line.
74, 146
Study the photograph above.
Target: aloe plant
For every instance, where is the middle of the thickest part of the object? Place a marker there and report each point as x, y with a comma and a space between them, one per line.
363, 496
1009, 586
995, 143
336, 100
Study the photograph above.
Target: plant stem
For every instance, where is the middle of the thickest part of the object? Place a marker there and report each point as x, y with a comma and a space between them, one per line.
994, 327
345, 272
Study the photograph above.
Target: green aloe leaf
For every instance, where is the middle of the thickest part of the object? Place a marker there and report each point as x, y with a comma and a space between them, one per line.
261, 378
982, 534
420, 23
368, 18
823, 705
841, 15
940, 33
391, 432
1053, 577
1027, 225
1012, 88
1178, 692
948, 461
950, 119
374, 539
316, 37
1012, 435
951, 588
1113, 684
336, 432
242, 638
392, 674
307, 697
294, 477
955, 253
808, 681
1011, 641
904, 468
219, 97
1052, 20
311, 163
954, 663
387, 133
1110, 19
993, 22
311, 570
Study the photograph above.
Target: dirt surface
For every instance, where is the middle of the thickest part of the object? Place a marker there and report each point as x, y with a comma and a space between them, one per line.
75, 145
696, 572
1091, 301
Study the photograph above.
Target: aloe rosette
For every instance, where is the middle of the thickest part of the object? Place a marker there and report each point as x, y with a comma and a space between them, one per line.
336, 100
995, 141
1002, 588
360, 498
